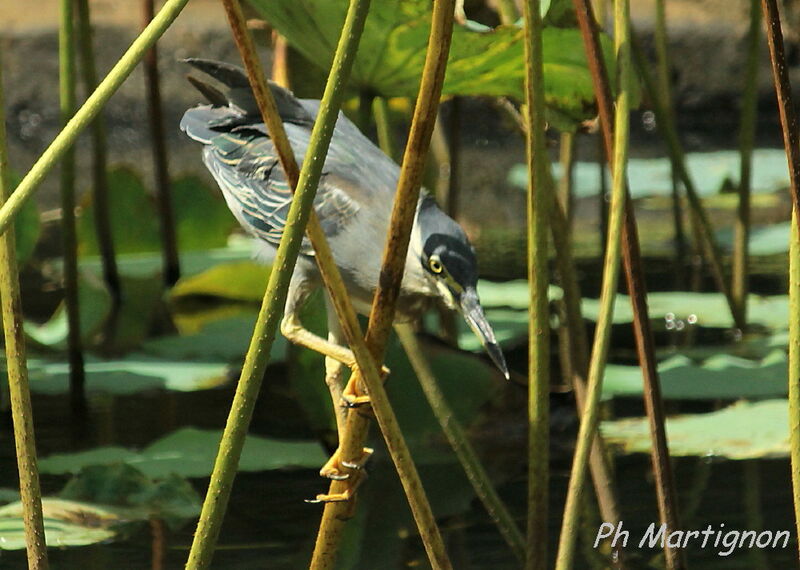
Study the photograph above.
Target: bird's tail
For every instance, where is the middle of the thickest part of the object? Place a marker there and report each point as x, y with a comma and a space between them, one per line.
238, 93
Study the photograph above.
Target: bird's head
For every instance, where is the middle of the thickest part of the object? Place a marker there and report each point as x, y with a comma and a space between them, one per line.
449, 263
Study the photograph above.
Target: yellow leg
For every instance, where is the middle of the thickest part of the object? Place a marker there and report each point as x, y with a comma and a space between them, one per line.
333, 378
293, 330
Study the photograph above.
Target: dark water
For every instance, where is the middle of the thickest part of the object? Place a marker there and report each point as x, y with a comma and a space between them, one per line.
269, 525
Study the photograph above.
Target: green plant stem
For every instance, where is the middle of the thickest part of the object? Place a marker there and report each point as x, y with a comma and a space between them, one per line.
102, 216
364, 111
698, 215
330, 274
539, 312
602, 203
794, 362
166, 216
439, 165
275, 296
567, 160
508, 12
385, 300
457, 437
577, 353
747, 133
89, 111
17, 372
69, 240
380, 110
783, 90
634, 275
665, 88
590, 416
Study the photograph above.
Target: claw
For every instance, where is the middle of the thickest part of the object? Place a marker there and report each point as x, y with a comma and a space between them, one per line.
359, 463
332, 470
333, 467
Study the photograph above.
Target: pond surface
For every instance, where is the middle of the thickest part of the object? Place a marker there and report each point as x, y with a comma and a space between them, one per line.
270, 526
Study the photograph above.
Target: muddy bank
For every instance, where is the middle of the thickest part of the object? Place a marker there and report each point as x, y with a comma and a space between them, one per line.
707, 49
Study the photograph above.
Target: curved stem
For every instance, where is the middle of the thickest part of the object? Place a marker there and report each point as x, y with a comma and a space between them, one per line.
699, 216
385, 300
460, 442
300, 211
538, 206
69, 240
166, 217
747, 133
589, 417
17, 371
665, 89
634, 275
783, 90
102, 216
380, 110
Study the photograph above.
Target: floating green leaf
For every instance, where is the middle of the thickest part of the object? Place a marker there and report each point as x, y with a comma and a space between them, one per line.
705, 309
66, 523
237, 281
94, 304
192, 262
653, 176
190, 452
741, 431
129, 375
141, 299
721, 376
221, 340
119, 484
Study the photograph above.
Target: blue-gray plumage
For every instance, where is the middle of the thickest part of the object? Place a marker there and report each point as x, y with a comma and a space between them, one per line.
353, 203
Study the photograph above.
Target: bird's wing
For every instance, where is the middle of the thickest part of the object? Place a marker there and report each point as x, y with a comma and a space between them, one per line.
244, 162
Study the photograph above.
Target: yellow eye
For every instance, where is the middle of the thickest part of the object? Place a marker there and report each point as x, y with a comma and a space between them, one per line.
435, 265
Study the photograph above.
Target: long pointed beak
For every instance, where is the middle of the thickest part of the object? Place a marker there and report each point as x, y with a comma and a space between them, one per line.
473, 314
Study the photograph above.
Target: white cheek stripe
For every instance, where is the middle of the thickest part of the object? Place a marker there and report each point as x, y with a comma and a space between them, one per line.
444, 291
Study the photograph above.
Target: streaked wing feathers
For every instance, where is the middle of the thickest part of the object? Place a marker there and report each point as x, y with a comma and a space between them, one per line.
246, 167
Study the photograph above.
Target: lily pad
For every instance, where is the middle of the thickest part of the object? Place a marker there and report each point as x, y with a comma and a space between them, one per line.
132, 374
149, 264
237, 281
742, 431
201, 219
190, 452
704, 309
392, 52
721, 376
94, 304
66, 523
172, 499
653, 176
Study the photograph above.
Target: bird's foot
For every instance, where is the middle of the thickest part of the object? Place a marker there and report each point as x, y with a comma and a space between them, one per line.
352, 397
333, 467
344, 496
